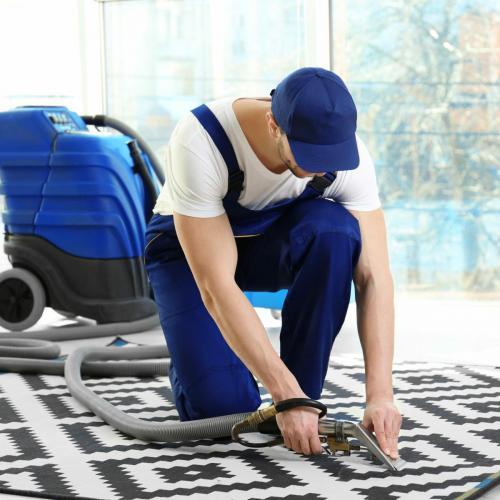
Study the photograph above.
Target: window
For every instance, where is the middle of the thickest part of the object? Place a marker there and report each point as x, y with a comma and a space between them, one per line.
424, 76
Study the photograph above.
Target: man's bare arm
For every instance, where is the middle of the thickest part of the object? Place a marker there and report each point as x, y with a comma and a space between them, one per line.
211, 252
375, 304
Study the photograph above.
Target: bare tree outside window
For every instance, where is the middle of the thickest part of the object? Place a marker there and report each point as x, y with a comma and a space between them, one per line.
424, 74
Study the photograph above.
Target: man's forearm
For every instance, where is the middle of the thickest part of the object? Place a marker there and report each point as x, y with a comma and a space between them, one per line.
246, 336
375, 317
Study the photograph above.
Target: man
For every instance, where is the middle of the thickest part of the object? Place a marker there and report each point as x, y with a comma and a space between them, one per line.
266, 194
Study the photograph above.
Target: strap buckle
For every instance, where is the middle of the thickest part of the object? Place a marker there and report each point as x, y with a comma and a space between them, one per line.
320, 183
235, 181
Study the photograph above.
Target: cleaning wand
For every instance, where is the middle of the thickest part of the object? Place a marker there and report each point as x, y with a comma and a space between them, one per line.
334, 433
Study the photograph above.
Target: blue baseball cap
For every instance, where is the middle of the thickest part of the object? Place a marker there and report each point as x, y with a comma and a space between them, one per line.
318, 115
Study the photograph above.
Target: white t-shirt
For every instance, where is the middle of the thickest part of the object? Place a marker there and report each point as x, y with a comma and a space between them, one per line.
196, 176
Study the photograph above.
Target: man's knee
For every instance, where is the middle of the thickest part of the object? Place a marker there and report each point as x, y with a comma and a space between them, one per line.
223, 390
323, 215
327, 232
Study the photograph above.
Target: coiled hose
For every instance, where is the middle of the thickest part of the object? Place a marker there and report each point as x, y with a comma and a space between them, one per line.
29, 355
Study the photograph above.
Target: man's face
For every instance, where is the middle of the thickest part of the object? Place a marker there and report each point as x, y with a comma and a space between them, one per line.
288, 159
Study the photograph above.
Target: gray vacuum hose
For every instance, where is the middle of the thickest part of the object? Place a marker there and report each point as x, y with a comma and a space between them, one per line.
90, 361
148, 431
88, 331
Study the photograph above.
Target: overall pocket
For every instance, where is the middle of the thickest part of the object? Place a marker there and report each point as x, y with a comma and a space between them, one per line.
149, 244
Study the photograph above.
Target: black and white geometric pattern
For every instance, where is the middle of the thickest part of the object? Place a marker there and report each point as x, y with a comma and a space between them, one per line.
51, 446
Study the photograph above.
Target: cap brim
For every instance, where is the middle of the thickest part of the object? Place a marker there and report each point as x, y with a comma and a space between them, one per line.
325, 157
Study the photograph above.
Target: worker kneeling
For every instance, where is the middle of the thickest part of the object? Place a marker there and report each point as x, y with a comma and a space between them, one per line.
255, 200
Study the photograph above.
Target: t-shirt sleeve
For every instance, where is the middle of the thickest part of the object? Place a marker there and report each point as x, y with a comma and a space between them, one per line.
359, 189
196, 187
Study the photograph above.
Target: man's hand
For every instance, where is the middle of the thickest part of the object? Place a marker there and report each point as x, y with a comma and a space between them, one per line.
300, 428
383, 417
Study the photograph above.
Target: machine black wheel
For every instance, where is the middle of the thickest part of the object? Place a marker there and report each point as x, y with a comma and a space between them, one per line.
22, 299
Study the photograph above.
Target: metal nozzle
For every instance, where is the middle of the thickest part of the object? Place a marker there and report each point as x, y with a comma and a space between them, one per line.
338, 432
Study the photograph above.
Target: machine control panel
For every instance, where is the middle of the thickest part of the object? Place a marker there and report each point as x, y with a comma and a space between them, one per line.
61, 121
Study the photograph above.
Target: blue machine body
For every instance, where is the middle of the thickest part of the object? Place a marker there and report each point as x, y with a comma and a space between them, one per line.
75, 188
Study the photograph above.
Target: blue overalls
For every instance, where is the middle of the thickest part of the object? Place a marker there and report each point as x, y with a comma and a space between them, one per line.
308, 245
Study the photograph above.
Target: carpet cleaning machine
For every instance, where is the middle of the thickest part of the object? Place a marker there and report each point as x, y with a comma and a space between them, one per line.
77, 202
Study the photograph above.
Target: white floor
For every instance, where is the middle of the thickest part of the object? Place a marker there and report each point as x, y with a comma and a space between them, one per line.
449, 331
437, 329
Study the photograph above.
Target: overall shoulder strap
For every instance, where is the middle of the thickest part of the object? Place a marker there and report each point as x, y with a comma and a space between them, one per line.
210, 123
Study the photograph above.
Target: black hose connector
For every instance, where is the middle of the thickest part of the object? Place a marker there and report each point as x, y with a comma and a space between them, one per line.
96, 121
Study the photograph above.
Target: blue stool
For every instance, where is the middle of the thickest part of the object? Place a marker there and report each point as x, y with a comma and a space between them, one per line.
274, 300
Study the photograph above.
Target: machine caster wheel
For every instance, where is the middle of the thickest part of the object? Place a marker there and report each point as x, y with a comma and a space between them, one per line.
22, 299
276, 313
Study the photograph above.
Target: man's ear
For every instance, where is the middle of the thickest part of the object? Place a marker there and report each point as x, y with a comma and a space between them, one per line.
273, 127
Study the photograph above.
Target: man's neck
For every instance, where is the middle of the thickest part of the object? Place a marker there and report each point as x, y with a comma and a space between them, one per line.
251, 115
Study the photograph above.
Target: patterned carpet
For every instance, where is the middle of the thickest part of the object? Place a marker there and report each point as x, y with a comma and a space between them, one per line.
52, 447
